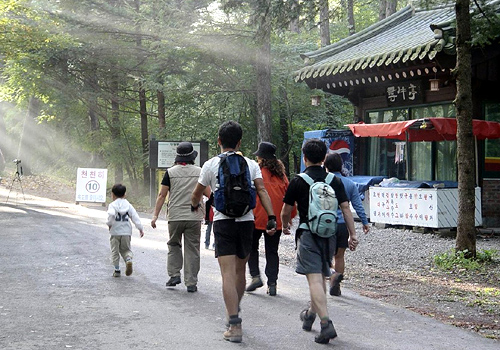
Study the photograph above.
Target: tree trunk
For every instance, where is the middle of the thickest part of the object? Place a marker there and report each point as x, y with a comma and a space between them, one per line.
382, 10
294, 21
115, 127
391, 6
5, 145
466, 233
263, 67
29, 137
161, 114
324, 23
91, 84
350, 17
142, 103
285, 147
144, 135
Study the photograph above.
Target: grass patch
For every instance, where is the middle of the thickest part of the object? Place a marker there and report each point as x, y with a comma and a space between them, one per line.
487, 298
452, 260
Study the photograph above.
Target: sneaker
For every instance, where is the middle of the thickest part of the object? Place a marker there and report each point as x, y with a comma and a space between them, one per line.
173, 281
307, 319
256, 283
335, 285
234, 333
271, 289
192, 289
327, 332
116, 273
129, 269
207, 246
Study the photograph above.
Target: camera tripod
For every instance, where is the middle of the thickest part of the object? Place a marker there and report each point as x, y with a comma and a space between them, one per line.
17, 177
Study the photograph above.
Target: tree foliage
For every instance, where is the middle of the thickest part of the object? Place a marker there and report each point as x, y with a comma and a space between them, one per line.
86, 62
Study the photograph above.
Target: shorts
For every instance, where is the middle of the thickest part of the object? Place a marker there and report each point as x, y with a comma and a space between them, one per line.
314, 254
233, 237
342, 236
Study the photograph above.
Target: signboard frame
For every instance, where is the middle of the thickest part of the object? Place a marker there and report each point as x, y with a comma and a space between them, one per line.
162, 153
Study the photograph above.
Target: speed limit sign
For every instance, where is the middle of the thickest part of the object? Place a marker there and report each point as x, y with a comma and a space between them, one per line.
91, 185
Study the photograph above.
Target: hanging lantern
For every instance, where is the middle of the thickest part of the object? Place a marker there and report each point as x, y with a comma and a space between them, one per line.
315, 100
434, 84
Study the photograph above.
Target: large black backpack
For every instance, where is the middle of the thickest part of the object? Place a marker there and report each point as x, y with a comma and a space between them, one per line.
234, 195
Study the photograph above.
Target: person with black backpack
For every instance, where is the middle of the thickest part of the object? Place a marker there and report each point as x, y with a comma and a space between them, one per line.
317, 196
235, 181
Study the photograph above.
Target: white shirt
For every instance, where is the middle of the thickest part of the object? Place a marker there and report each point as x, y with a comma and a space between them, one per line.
208, 177
119, 213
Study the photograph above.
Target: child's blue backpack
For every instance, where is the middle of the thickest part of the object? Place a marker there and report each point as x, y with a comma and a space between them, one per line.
323, 205
235, 195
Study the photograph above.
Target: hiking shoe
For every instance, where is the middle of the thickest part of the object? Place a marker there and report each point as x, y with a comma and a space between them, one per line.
327, 332
173, 281
192, 289
271, 289
335, 285
129, 269
116, 273
234, 333
256, 283
307, 319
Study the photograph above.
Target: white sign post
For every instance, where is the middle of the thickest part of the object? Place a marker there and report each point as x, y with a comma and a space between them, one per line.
91, 185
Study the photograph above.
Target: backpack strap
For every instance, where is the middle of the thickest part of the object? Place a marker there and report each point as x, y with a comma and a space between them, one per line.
306, 178
328, 179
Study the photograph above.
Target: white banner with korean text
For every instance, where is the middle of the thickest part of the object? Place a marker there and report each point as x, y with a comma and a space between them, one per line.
423, 207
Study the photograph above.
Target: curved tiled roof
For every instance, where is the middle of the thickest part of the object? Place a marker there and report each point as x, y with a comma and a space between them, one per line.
405, 36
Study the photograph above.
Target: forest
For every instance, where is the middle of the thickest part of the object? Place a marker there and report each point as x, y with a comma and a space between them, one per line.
89, 83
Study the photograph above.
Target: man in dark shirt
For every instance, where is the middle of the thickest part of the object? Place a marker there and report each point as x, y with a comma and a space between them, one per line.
315, 253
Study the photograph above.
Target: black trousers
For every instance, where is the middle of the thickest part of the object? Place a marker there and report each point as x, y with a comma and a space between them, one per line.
271, 244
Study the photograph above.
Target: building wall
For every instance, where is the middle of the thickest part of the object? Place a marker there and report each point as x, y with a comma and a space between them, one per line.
491, 202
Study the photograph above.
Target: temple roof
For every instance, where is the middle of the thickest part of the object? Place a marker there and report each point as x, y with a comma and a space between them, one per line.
408, 36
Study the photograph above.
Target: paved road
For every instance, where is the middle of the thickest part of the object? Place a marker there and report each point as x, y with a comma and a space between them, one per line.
57, 293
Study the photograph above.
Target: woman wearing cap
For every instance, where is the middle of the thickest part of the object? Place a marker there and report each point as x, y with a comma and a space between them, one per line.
276, 183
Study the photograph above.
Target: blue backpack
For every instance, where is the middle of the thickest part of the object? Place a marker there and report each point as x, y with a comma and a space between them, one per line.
234, 195
323, 205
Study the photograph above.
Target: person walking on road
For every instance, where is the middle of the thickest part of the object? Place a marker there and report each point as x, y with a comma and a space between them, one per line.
209, 220
315, 253
333, 163
276, 183
184, 225
120, 228
233, 234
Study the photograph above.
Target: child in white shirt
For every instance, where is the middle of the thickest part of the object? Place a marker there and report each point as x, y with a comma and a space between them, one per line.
120, 228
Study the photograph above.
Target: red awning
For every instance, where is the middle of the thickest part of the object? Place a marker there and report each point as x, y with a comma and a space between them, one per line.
428, 129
